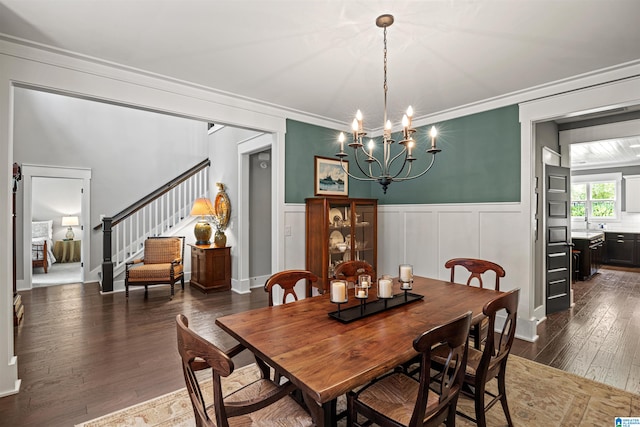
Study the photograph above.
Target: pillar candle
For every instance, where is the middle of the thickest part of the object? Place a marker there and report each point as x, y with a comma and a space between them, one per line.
384, 288
338, 291
406, 273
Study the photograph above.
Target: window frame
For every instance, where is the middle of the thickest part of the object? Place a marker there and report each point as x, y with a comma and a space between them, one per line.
594, 179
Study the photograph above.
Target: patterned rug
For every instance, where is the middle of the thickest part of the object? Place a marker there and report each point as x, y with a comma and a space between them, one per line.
538, 395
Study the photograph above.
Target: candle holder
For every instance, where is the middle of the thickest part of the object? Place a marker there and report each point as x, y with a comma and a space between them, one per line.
364, 280
385, 290
361, 292
339, 294
406, 277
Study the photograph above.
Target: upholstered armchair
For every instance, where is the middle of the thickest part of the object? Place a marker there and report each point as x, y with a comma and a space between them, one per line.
162, 263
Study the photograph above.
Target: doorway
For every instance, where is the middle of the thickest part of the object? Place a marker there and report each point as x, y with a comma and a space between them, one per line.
59, 200
38, 179
260, 216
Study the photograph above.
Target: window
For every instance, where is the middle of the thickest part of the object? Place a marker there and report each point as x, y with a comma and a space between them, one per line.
595, 197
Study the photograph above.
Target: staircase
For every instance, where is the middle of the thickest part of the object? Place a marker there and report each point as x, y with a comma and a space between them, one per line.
154, 215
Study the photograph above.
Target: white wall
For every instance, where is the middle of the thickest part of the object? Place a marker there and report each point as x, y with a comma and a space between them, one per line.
130, 152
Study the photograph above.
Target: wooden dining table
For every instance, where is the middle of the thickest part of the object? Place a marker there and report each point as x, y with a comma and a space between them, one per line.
326, 358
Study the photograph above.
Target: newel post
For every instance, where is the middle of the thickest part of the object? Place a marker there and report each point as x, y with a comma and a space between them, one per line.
107, 263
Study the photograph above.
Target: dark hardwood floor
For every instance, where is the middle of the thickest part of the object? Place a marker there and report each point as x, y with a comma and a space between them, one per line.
82, 354
598, 338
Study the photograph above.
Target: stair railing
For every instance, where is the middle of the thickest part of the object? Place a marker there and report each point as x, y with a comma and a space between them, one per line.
123, 234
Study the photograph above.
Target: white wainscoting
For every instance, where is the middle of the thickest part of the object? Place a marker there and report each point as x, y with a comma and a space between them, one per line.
428, 235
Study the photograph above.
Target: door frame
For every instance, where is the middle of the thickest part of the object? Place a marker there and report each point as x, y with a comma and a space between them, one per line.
619, 92
260, 142
30, 171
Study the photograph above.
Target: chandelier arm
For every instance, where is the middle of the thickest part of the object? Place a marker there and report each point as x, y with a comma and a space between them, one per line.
395, 177
355, 156
359, 178
433, 159
404, 150
374, 160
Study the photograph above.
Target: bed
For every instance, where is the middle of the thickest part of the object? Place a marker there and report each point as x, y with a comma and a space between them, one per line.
42, 244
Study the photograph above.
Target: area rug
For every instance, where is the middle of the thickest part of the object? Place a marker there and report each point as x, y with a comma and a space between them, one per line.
538, 395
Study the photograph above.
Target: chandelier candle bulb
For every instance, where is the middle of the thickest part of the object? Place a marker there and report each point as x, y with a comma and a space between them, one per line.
409, 115
433, 133
341, 140
371, 145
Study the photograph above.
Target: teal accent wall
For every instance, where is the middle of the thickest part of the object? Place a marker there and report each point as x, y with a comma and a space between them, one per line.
303, 142
479, 162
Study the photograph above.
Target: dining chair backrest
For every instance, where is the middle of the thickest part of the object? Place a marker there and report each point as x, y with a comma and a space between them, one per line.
454, 337
396, 400
491, 361
197, 354
350, 270
262, 402
477, 267
287, 280
497, 346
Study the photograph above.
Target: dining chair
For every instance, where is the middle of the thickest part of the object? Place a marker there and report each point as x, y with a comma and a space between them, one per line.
261, 402
398, 399
490, 363
162, 263
477, 267
350, 270
287, 280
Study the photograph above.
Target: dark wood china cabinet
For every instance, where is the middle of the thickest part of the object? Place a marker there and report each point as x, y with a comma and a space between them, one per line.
339, 229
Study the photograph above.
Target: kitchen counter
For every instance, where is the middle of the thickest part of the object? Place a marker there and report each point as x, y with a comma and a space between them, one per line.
587, 234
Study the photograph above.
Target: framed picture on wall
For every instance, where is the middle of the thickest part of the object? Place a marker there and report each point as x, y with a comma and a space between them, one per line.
329, 177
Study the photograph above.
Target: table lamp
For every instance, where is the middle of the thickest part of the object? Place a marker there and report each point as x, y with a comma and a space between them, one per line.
68, 221
202, 230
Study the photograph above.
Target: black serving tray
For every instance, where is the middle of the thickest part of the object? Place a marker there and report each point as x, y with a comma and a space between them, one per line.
360, 311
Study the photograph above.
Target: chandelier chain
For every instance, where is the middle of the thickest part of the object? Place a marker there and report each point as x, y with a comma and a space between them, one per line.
385, 86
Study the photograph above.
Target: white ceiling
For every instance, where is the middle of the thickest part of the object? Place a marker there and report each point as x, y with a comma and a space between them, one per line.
606, 153
324, 57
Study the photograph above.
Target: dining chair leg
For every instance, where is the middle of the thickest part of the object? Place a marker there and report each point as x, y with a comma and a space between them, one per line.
481, 419
451, 416
503, 396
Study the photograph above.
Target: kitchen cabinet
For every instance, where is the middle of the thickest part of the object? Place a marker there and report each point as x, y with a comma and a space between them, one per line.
632, 193
339, 229
591, 249
210, 268
620, 248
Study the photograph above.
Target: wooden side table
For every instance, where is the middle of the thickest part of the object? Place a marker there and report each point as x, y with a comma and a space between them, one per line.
210, 268
67, 250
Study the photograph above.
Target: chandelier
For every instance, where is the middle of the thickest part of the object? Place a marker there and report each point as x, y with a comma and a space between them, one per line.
401, 172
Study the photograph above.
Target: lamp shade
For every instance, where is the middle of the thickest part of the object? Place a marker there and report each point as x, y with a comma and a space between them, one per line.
69, 220
202, 206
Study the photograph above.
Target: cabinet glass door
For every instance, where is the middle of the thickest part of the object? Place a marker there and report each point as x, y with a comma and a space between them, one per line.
363, 228
339, 235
